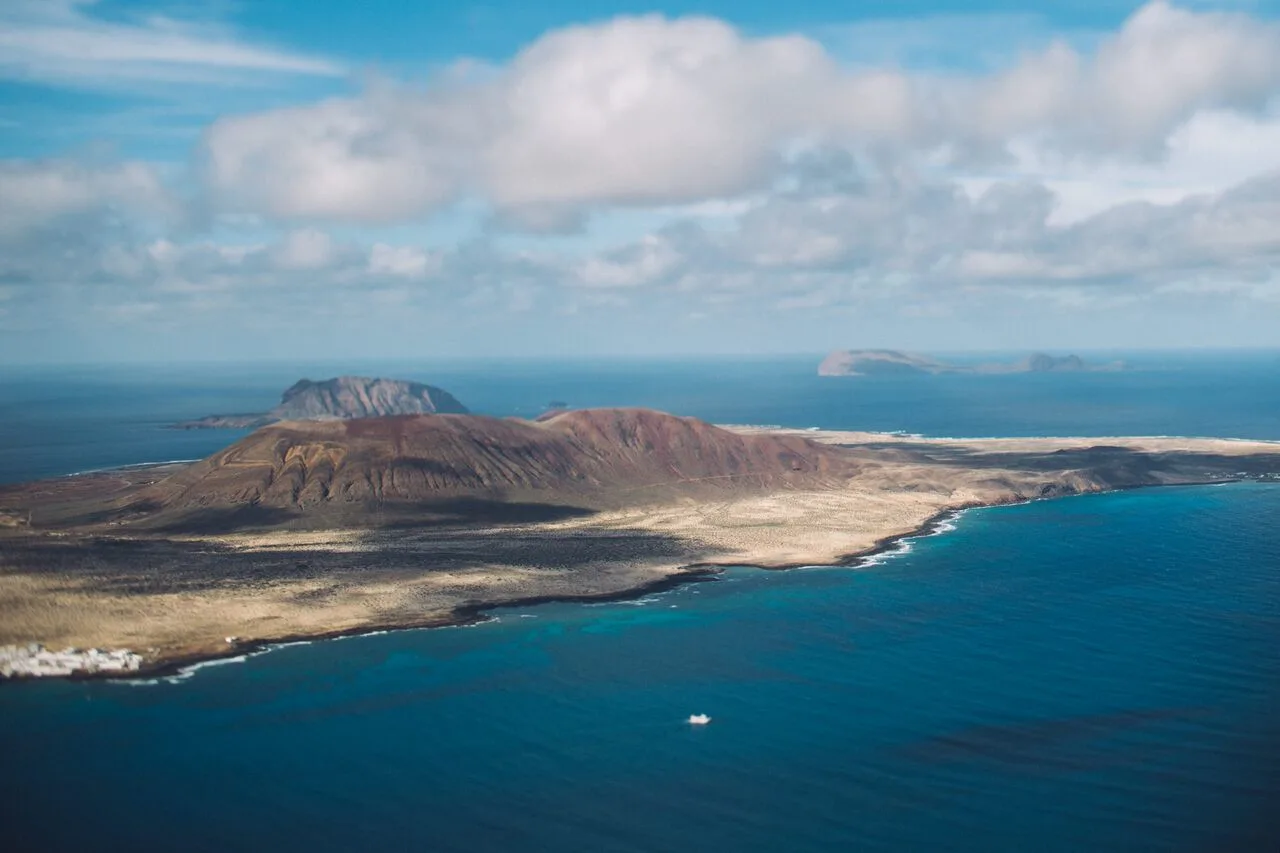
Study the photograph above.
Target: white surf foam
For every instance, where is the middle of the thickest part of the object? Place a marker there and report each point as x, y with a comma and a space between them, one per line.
189, 671
134, 467
946, 524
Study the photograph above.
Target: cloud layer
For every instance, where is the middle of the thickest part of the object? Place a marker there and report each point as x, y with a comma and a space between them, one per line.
644, 111
648, 169
39, 194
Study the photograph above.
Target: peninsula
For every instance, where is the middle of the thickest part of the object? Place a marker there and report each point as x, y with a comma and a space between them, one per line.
883, 362
318, 528
339, 398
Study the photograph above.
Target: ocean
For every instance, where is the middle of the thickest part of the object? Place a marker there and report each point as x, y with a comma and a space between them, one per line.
1091, 673
63, 420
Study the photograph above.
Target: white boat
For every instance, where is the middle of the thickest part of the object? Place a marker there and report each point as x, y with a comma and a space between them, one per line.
698, 719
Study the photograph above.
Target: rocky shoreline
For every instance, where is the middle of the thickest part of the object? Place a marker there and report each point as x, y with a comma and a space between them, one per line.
34, 661
160, 597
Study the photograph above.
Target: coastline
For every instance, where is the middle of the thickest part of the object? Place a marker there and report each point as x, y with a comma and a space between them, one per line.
474, 613
478, 612
171, 597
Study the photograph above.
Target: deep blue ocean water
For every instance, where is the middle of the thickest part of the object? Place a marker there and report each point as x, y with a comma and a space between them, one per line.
1094, 673
1098, 673
63, 420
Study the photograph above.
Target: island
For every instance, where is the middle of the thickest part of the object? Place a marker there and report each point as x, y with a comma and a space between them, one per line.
309, 529
884, 362
339, 398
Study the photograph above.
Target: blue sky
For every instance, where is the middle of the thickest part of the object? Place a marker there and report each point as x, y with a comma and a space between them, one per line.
276, 178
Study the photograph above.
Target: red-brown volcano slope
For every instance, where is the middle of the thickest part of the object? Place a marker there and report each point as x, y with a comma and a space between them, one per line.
589, 458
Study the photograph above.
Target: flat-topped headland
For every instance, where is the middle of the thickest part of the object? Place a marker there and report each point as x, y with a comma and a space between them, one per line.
339, 398
320, 528
885, 362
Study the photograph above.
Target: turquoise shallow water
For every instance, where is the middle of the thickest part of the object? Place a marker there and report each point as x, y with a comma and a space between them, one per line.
1094, 673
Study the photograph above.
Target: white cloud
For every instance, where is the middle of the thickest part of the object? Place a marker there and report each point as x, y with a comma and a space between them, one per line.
1139, 84
62, 41
1143, 165
898, 239
305, 249
914, 250
638, 110
1167, 62
648, 111
405, 261
369, 159
1212, 152
650, 260
988, 265
39, 193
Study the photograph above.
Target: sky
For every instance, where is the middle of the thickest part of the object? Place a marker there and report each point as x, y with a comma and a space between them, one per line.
303, 179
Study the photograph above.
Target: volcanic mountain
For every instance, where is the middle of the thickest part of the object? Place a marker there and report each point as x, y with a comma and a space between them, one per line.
343, 397
589, 458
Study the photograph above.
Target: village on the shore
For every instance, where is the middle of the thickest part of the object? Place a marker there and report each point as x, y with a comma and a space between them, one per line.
34, 660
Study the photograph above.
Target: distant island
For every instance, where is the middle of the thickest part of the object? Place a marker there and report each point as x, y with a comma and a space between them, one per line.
342, 398
315, 528
885, 362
